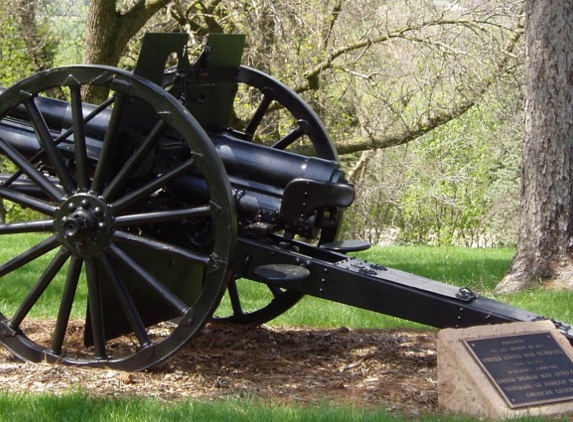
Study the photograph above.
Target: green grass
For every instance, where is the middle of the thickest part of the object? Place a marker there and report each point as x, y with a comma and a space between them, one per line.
481, 269
80, 407
16, 285
75, 406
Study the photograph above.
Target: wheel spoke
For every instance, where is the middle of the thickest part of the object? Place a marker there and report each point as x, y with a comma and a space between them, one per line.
29, 255
122, 178
72, 278
43, 282
164, 293
49, 188
162, 247
127, 304
95, 309
27, 201
27, 227
107, 155
145, 190
235, 298
258, 116
47, 142
291, 138
276, 291
85, 120
40, 154
80, 153
162, 216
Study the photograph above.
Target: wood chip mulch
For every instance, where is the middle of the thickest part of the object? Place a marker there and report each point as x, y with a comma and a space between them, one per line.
387, 369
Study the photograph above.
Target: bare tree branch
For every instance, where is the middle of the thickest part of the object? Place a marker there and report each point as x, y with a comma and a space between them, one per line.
434, 118
312, 74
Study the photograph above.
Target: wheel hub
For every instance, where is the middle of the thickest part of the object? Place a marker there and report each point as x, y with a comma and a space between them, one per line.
84, 224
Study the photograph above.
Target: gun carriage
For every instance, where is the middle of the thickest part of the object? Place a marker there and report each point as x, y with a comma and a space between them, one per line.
159, 198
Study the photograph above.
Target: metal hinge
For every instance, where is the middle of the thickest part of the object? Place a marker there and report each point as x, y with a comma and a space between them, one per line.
465, 293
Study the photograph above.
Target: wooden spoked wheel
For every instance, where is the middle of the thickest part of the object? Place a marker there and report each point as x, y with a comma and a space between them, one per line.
280, 119
93, 228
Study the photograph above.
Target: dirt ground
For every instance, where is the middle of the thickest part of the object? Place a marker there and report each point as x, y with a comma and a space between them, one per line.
387, 369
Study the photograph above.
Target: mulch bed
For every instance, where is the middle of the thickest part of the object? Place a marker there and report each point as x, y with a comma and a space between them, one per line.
387, 369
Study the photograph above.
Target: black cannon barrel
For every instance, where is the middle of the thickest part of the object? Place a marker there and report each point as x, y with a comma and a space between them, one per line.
242, 159
272, 166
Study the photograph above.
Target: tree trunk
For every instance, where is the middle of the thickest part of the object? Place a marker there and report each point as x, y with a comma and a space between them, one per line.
109, 30
545, 233
102, 45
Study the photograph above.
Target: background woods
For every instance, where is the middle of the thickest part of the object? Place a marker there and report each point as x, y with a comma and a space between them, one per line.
446, 74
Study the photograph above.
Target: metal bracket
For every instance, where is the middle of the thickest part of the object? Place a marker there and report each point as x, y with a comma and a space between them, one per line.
465, 293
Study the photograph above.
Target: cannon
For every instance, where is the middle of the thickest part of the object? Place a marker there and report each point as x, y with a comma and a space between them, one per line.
147, 206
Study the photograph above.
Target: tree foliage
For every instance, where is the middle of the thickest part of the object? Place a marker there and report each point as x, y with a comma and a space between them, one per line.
16, 57
457, 185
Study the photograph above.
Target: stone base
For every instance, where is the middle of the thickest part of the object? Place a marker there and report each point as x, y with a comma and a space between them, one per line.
464, 387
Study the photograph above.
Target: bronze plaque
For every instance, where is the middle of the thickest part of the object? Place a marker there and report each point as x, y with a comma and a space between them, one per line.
527, 369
